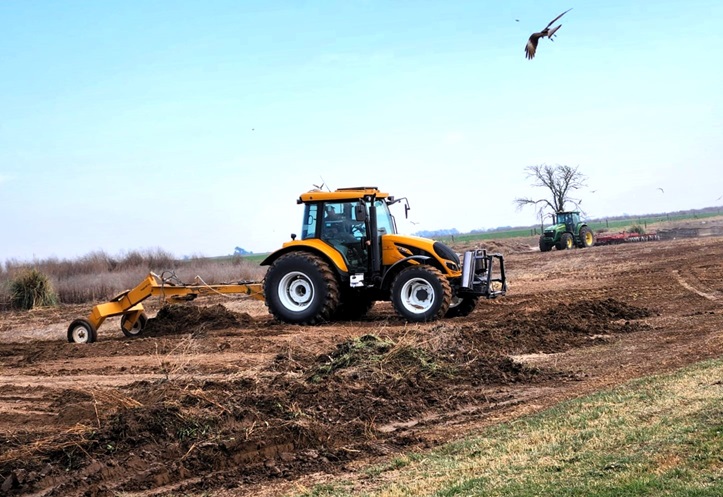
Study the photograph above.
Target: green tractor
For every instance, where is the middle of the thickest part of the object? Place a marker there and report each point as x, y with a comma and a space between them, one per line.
566, 232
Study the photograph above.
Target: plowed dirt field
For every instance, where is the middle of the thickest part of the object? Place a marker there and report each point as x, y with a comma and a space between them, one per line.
218, 399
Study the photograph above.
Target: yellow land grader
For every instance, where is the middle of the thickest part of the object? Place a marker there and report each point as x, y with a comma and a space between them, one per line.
348, 256
129, 305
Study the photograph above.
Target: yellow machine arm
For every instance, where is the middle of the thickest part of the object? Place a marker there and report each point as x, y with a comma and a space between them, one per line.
128, 304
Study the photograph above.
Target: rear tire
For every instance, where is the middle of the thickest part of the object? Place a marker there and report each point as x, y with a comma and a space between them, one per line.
460, 307
421, 293
138, 326
301, 288
81, 331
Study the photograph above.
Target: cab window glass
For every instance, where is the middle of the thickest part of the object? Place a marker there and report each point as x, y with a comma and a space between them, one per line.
339, 222
385, 222
308, 229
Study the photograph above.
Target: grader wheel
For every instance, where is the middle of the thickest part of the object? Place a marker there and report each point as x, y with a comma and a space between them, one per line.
137, 328
81, 331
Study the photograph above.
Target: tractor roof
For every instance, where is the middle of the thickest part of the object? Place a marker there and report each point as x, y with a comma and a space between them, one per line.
341, 194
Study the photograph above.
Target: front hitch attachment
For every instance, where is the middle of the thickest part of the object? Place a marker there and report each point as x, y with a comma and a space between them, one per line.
481, 275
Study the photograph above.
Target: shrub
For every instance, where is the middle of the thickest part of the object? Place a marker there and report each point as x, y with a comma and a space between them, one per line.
30, 289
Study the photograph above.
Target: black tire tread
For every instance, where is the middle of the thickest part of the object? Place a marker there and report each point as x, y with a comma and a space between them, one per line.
143, 322
92, 333
562, 245
462, 309
544, 247
330, 282
583, 231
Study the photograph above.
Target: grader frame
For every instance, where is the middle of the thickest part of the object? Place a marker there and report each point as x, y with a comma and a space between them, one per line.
128, 304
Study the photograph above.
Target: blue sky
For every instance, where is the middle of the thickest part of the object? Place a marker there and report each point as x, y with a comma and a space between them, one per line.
194, 126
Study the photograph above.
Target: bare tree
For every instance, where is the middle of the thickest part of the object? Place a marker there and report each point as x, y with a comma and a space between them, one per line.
560, 181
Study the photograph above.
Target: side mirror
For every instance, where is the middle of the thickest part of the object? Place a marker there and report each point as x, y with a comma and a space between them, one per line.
360, 212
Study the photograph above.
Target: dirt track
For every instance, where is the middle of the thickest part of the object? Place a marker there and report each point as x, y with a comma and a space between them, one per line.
231, 402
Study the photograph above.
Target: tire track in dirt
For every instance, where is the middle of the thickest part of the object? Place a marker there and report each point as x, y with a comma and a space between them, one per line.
710, 296
714, 297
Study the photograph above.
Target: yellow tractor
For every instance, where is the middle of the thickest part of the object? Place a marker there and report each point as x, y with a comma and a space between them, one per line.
348, 256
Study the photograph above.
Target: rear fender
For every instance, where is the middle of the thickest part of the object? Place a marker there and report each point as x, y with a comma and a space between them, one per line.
313, 246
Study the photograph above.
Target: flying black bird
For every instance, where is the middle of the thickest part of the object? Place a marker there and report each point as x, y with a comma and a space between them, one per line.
661, 190
531, 46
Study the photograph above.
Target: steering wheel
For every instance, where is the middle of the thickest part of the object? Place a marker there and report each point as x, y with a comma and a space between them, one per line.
358, 228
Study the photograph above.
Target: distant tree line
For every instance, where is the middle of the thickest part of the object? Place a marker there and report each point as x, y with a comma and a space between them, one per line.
241, 251
437, 233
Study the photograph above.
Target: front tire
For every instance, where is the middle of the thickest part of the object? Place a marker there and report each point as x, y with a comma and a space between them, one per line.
544, 246
587, 239
566, 242
421, 293
81, 331
461, 306
301, 288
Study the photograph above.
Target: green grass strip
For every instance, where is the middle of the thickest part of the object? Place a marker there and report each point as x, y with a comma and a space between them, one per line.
658, 436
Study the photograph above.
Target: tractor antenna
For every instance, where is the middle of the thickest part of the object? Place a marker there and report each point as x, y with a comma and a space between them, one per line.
323, 184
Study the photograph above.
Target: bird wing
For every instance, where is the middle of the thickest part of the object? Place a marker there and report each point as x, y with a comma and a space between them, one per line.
555, 19
531, 46
553, 30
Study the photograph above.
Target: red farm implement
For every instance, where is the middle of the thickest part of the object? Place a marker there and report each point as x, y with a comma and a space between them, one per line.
624, 237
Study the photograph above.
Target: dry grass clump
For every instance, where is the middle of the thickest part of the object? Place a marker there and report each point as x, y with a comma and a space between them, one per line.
30, 289
99, 276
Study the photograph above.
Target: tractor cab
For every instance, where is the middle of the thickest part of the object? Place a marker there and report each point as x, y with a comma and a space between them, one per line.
345, 224
569, 219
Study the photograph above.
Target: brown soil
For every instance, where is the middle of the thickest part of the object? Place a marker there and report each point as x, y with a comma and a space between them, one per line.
218, 399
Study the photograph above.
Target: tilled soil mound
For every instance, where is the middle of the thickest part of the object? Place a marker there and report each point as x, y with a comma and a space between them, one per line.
179, 318
571, 325
297, 415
